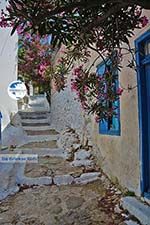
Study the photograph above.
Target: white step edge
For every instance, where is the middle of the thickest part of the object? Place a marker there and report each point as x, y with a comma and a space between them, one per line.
28, 128
137, 208
35, 121
42, 138
53, 152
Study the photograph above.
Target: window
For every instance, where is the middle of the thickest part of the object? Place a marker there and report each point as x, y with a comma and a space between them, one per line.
112, 125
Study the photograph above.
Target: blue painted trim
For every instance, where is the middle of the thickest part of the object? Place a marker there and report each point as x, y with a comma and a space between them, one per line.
142, 120
147, 195
109, 132
103, 125
146, 60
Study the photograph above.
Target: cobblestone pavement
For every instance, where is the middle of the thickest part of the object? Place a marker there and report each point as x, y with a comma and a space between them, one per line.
65, 187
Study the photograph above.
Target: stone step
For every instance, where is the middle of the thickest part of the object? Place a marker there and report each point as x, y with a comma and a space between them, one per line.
32, 113
31, 121
41, 138
36, 128
137, 208
40, 181
41, 132
35, 124
52, 152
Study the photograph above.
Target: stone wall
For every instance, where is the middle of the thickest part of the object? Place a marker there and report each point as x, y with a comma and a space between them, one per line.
66, 111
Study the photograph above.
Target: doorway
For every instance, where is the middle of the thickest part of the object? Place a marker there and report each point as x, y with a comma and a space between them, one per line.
143, 65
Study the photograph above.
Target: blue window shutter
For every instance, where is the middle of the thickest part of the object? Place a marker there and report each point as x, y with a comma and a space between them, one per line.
116, 118
101, 69
103, 125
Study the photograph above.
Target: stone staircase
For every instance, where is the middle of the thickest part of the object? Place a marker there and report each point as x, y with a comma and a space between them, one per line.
53, 160
56, 165
37, 126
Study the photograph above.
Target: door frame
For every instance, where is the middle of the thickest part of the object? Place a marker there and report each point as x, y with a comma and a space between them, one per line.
144, 174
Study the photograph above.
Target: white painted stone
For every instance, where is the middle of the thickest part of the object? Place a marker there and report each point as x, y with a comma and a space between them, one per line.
8, 176
125, 215
76, 146
14, 136
103, 178
90, 143
41, 138
65, 110
118, 192
63, 180
81, 163
130, 222
138, 209
38, 103
146, 200
117, 209
56, 152
35, 121
82, 155
87, 178
70, 150
20, 223
67, 140
36, 181
40, 128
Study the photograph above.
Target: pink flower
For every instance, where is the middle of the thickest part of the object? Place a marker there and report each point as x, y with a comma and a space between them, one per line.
86, 89
144, 21
74, 86
83, 104
97, 119
4, 23
119, 91
138, 11
60, 60
78, 71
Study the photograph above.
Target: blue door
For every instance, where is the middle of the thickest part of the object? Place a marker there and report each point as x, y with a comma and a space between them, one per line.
143, 63
147, 74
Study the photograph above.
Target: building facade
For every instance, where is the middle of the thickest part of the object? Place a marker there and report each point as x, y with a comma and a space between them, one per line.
124, 145
8, 71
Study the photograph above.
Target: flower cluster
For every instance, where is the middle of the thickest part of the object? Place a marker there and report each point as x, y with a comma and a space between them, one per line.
34, 58
3, 22
144, 21
96, 93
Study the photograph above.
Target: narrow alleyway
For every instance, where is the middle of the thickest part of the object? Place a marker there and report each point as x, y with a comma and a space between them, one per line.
65, 187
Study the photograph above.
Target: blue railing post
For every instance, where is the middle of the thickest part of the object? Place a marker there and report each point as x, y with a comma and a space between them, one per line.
0, 131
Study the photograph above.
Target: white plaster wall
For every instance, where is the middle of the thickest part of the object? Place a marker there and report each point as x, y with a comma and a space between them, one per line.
8, 70
119, 156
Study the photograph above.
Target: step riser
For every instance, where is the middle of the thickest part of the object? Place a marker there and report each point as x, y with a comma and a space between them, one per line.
33, 118
44, 132
33, 113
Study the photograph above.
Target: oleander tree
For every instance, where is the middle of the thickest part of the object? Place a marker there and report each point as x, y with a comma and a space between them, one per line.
35, 62
103, 26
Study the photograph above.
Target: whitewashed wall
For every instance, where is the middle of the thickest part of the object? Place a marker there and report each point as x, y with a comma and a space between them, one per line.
8, 70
